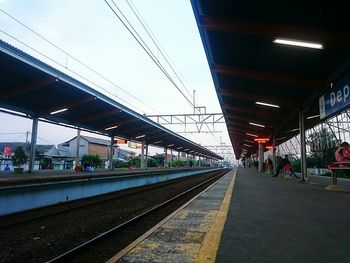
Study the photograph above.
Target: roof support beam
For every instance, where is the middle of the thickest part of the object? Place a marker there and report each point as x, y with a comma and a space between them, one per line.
253, 97
119, 124
283, 79
68, 104
26, 88
99, 115
256, 112
275, 30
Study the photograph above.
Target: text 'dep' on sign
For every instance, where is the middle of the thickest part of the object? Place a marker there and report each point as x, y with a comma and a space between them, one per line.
335, 99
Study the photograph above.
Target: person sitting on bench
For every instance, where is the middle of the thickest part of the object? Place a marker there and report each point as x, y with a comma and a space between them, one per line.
342, 154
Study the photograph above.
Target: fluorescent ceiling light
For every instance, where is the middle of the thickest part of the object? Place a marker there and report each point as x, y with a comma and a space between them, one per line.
157, 142
253, 135
191, 151
247, 145
140, 136
248, 141
298, 43
112, 127
297, 129
312, 117
267, 104
170, 145
256, 124
58, 111
178, 148
280, 138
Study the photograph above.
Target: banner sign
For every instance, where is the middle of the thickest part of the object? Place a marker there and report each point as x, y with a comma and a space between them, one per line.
132, 145
121, 141
336, 99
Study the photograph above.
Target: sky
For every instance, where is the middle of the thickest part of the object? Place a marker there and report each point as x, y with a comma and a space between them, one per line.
91, 33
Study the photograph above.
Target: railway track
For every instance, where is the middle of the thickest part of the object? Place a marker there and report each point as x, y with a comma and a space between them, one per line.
42, 237
85, 251
41, 213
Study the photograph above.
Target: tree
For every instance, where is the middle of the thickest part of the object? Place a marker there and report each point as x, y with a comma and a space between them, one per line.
322, 147
18, 157
92, 159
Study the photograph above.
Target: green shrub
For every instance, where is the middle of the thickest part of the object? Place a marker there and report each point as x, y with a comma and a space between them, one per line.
92, 159
19, 157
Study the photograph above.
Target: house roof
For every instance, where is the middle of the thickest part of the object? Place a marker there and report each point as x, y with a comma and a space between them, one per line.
40, 149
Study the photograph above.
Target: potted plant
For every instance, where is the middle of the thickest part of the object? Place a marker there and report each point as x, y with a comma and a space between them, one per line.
18, 158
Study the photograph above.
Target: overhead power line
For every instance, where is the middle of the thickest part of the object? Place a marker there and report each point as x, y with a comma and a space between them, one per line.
145, 48
77, 60
155, 41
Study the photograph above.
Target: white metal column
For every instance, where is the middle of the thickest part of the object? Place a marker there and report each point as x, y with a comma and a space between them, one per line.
143, 155
33, 144
166, 158
77, 148
146, 158
304, 176
110, 166
261, 157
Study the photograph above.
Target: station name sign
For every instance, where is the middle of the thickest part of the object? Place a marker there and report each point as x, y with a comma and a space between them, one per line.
336, 99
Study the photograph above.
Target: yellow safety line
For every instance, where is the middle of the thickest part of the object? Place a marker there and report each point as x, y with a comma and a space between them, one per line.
128, 248
210, 245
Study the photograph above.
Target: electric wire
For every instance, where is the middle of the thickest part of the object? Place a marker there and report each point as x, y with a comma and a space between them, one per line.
79, 61
72, 71
155, 41
157, 44
148, 53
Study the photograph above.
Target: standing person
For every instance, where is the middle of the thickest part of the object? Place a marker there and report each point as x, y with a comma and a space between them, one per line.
268, 166
279, 166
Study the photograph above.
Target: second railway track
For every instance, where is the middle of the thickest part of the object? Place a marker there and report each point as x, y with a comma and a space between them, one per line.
47, 238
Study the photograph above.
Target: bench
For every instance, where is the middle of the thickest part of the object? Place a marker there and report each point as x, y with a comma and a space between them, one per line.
338, 166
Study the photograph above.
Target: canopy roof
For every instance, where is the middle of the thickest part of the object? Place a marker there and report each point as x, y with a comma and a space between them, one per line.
248, 67
35, 89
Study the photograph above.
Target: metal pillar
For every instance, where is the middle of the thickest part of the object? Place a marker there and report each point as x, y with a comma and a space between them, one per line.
274, 154
110, 166
304, 177
171, 158
178, 156
261, 157
199, 161
146, 158
77, 149
143, 155
166, 158
33, 144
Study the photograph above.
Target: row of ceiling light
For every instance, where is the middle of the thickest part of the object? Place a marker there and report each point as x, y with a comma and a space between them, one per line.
283, 42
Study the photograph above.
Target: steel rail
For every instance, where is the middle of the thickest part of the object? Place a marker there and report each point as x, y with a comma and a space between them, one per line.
94, 202
67, 254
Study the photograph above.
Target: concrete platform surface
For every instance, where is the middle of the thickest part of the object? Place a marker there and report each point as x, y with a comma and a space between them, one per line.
272, 219
191, 235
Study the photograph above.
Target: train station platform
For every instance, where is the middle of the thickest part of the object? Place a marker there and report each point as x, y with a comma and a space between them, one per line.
250, 217
42, 176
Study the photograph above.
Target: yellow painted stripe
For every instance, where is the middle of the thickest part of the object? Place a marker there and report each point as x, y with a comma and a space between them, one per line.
210, 245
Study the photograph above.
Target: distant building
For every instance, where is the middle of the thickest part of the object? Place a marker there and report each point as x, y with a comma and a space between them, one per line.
91, 145
41, 150
47, 156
